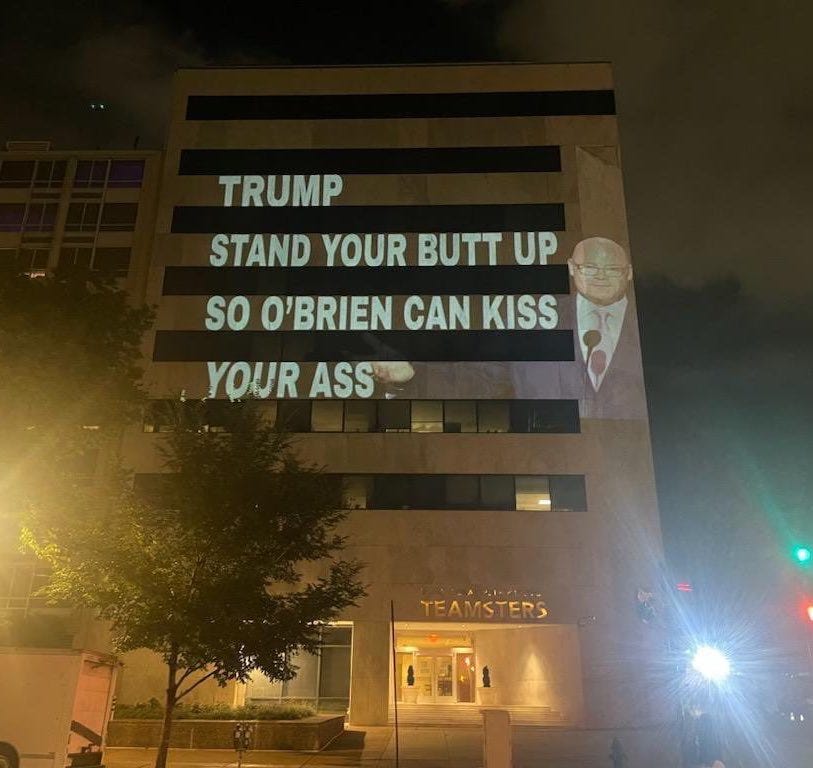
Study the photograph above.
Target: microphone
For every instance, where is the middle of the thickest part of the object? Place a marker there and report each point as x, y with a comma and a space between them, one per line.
591, 340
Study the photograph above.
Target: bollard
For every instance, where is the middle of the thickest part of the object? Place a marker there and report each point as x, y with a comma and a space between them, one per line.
496, 738
617, 756
242, 740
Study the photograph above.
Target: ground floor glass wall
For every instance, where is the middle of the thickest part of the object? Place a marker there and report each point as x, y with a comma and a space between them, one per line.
323, 679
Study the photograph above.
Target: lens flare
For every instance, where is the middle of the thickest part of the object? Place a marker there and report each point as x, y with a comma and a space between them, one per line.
711, 663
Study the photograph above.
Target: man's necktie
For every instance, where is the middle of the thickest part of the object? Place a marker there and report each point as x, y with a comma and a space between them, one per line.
600, 355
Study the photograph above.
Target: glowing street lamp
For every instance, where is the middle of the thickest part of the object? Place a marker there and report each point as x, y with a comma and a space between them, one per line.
711, 664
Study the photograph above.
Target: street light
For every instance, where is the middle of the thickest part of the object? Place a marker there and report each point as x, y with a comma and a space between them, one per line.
711, 664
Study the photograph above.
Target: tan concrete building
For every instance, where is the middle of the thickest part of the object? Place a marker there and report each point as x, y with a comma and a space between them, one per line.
425, 272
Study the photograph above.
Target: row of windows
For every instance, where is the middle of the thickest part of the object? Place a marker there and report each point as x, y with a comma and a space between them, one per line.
531, 493
114, 261
82, 217
50, 174
553, 416
20, 583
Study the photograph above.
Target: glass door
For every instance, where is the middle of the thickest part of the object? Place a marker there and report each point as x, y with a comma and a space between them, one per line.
434, 678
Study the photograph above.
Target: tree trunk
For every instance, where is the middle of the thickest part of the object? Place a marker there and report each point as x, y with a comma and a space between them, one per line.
169, 708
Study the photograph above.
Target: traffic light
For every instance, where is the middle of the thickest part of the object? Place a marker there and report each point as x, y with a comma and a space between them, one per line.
802, 554
809, 611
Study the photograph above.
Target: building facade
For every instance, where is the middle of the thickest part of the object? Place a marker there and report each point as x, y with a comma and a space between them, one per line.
425, 273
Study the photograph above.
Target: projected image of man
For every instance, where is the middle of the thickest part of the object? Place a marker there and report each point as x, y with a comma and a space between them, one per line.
601, 273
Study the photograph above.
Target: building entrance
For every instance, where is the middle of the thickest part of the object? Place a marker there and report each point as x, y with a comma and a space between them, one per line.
433, 676
435, 668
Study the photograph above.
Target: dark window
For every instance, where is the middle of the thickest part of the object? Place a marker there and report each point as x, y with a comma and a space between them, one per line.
427, 491
391, 492
568, 493
459, 416
497, 491
332, 635
294, 415
82, 217
40, 217
75, 256
533, 493
326, 416
50, 173
492, 416
11, 217
334, 673
359, 416
114, 261
545, 416
90, 173
16, 173
463, 491
126, 173
33, 260
119, 217
393, 415
427, 416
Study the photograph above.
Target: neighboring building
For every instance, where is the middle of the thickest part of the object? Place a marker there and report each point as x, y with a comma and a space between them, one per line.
93, 208
496, 451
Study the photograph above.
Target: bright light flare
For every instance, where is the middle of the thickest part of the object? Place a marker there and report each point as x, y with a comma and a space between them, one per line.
802, 554
711, 663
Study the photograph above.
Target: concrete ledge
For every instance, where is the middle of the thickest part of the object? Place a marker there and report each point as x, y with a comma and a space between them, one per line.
310, 734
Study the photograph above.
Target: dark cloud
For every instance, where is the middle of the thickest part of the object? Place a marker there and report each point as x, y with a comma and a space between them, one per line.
714, 108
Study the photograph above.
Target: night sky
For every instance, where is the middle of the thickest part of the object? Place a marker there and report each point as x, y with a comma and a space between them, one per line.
715, 105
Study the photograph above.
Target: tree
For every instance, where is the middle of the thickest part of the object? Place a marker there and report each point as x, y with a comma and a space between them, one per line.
70, 380
205, 567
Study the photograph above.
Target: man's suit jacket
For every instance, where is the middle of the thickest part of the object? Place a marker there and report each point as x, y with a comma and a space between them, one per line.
621, 394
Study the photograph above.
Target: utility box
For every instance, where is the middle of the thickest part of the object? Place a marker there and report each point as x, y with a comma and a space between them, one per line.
54, 707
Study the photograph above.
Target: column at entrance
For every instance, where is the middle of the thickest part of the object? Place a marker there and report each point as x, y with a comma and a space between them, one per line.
370, 673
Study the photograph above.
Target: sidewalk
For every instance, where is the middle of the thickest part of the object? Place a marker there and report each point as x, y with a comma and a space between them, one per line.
372, 747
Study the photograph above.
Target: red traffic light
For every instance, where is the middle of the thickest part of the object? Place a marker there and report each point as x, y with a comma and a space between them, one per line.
809, 611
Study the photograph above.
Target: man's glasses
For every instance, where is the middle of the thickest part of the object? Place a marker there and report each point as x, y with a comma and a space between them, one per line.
591, 270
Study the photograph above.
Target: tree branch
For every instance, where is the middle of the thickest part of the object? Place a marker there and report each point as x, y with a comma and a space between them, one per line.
188, 671
195, 685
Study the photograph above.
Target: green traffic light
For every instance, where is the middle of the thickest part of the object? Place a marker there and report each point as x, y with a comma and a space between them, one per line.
802, 554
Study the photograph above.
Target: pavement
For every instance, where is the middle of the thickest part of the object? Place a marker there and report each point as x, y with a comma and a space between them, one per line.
369, 747
462, 747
